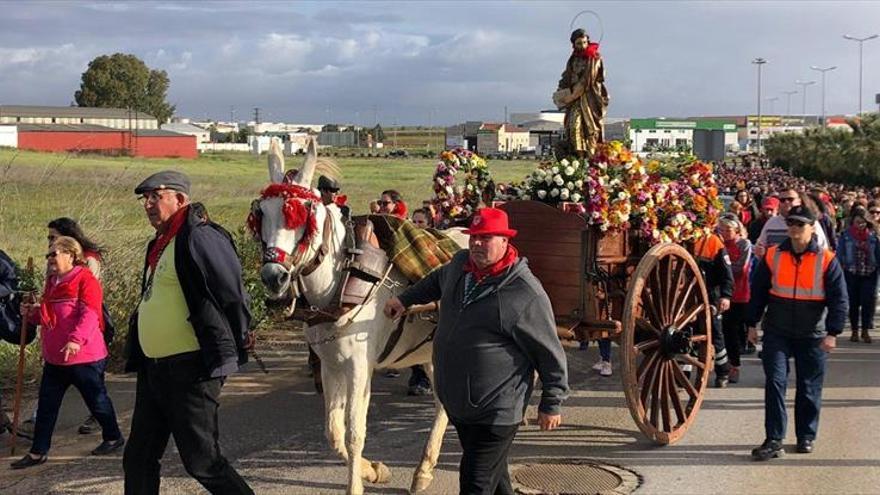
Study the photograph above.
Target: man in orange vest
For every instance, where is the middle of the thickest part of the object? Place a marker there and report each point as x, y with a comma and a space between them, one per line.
796, 282
714, 262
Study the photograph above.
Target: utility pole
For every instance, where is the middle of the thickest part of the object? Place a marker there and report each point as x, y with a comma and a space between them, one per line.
861, 42
788, 101
823, 70
759, 62
256, 116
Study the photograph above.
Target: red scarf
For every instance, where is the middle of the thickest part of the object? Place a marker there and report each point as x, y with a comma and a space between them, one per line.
860, 236
494, 269
162, 240
591, 52
400, 209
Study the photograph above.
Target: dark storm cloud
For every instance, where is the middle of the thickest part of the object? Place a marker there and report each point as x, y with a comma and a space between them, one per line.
412, 62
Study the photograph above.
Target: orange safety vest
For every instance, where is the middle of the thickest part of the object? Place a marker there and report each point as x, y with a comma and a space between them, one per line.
707, 248
804, 281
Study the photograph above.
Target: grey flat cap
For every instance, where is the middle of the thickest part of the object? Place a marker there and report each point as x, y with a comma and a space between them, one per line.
166, 179
326, 183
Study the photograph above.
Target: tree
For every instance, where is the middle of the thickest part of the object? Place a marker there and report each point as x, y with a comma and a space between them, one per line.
124, 81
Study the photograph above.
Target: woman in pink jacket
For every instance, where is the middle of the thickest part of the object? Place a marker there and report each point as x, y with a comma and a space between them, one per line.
69, 316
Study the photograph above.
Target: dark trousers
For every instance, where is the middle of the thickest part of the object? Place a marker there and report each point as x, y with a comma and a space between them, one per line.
173, 399
809, 364
483, 467
89, 380
862, 292
605, 349
733, 325
722, 363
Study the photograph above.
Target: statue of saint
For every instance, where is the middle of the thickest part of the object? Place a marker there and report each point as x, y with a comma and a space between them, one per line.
582, 94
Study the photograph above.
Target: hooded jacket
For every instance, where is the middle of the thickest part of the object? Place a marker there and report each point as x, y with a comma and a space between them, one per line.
486, 351
210, 276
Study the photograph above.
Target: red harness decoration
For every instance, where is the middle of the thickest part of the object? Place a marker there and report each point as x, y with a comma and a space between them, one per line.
295, 214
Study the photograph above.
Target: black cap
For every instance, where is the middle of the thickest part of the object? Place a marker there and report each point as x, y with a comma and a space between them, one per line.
801, 213
327, 184
166, 179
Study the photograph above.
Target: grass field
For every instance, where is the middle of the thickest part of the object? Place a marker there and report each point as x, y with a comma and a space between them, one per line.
97, 192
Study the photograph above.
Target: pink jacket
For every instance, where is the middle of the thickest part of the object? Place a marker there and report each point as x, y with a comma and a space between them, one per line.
70, 311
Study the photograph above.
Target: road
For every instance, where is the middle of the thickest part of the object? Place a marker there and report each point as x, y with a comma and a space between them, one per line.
272, 429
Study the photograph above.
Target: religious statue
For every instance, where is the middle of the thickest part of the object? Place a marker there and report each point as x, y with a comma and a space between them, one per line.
582, 93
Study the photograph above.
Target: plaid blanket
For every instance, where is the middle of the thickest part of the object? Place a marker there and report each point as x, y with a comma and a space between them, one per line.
415, 252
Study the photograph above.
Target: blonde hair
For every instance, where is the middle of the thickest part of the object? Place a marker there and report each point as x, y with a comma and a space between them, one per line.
70, 246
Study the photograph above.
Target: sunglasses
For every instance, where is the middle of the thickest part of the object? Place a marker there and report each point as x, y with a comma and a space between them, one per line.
875, 212
53, 254
795, 223
786, 200
383, 203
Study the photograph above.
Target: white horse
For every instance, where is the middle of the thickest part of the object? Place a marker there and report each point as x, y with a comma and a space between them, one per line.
306, 257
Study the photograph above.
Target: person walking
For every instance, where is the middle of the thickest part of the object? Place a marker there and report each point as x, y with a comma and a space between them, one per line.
769, 207
190, 330
71, 336
714, 263
739, 249
859, 253
496, 329
776, 230
795, 282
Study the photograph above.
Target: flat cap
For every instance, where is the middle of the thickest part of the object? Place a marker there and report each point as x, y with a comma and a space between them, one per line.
166, 179
327, 184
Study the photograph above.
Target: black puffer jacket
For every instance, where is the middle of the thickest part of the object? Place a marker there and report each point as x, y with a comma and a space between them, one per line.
210, 276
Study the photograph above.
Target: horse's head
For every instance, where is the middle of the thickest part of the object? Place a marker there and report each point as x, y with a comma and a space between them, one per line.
288, 219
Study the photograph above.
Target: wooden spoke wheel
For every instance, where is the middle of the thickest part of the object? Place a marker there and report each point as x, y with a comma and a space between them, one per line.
667, 343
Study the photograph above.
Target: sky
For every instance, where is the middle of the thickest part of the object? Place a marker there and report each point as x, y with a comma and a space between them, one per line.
435, 63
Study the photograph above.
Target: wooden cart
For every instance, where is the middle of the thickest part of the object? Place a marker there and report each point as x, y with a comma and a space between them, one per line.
653, 301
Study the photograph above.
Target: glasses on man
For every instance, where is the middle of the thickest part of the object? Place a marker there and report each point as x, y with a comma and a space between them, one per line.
787, 200
151, 197
791, 222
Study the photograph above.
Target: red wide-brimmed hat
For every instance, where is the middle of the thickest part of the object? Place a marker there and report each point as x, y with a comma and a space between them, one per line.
490, 221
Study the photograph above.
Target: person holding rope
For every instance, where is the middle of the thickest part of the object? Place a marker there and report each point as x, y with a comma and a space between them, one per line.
191, 330
496, 329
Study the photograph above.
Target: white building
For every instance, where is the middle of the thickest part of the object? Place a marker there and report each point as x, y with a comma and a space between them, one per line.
519, 118
662, 134
8, 136
202, 135
116, 118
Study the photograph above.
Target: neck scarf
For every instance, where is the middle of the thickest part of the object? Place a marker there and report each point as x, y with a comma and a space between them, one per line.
163, 239
860, 236
591, 52
494, 269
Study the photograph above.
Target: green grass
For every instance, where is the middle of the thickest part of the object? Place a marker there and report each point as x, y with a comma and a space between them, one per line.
98, 192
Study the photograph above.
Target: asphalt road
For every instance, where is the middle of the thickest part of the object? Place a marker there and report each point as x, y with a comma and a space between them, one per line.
272, 429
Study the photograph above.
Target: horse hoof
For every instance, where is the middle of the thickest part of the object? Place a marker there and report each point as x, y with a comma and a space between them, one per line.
383, 474
421, 483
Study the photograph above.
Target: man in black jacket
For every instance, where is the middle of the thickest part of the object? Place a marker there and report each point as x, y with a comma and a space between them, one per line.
190, 330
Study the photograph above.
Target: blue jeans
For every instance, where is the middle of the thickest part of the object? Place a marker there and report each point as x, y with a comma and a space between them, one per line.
809, 364
862, 292
89, 380
605, 349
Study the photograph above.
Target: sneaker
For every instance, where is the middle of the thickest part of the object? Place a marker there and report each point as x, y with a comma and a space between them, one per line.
804, 447
392, 374
768, 450
606, 368
598, 365
109, 446
89, 426
721, 381
733, 377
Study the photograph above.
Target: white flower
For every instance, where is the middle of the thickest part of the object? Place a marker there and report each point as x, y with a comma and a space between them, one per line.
470, 187
601, 181
563, 194
542, 194
602, 165
621, 195
559, 180
578, 183
575, 164
548, 180
592, 191
569, 171
596, 214
555, 170
564, 162
554, 192
603, 227
527, 197
576, 197
541, 172
643, 209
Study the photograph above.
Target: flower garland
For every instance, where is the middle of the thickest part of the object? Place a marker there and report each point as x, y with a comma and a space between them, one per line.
556, 183
456, 204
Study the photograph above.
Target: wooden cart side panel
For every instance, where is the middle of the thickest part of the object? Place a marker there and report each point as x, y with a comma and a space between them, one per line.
552, 241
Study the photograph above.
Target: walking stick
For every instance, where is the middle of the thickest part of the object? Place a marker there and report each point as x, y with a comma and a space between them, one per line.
19, 380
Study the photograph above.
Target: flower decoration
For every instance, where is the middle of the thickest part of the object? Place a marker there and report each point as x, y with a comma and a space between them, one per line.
457, 203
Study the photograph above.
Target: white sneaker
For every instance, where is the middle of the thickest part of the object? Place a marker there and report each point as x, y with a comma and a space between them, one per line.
598, 365
606, 368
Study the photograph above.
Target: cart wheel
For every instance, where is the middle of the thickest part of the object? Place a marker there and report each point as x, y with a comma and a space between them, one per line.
666, 343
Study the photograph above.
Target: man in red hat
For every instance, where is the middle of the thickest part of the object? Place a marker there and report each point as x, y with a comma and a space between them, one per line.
496, 329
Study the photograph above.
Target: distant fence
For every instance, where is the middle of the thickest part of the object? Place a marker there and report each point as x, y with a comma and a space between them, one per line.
213, 147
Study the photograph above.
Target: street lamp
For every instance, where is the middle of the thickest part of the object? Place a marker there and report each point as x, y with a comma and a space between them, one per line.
759, 62
823, 70
803, 85
772, 100
861, 42
788, 101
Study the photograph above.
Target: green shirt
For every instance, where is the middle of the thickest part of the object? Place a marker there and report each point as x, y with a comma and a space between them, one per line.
163, 316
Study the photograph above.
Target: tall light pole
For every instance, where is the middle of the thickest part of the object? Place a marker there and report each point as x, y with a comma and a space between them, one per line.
772, 100
823, 70
861, 42
759, 62
788, 101
803, 85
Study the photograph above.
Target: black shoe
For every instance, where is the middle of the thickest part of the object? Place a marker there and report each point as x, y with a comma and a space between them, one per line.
721, 381
768, 450
28, 461
89, 426
805, 447
108, 447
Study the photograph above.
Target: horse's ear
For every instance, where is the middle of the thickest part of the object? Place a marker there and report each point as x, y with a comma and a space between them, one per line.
311, 162
276, 161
